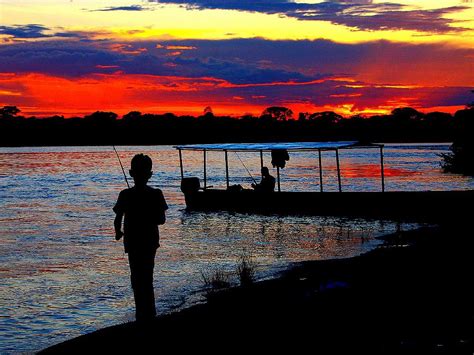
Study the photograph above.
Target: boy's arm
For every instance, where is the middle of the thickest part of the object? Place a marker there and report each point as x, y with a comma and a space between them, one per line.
161, 218
118, 225
119, 211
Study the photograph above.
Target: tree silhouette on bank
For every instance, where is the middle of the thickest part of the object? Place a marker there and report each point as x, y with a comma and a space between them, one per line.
278, 113
461, 158
274, 124
9, 111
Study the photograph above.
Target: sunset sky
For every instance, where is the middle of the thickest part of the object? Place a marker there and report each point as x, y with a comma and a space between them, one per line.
74, 57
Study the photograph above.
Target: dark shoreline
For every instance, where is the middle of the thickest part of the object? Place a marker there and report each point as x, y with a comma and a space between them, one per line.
411, 295
274, 124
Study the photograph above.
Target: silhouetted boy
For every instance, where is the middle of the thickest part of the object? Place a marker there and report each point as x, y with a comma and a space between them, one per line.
268, 182
144, 209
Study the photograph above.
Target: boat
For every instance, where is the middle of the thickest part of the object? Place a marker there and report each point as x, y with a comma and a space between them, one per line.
430, 206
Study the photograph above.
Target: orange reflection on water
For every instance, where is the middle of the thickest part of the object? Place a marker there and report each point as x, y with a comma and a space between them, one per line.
374, 171
54, 162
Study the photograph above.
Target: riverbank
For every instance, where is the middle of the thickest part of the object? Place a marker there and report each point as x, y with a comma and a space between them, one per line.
412, 295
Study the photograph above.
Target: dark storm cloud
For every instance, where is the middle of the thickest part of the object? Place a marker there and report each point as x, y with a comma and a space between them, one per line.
244, 61
54, 57
313, 57
360, 15
123, 8
79, 58
35, 31
235, 71
25, 31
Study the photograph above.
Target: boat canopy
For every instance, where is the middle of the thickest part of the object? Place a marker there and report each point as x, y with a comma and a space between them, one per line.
292, 146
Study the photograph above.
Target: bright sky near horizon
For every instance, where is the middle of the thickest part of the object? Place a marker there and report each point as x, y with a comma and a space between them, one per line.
238, 56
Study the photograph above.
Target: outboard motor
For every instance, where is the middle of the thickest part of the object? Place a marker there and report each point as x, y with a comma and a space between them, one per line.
190, 185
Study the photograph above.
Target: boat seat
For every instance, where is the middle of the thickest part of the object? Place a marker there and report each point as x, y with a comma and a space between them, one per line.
190, 185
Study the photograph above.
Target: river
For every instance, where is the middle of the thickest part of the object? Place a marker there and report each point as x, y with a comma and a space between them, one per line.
63, 274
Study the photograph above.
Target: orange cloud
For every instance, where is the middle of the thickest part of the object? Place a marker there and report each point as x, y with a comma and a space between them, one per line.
9, 93
181, 48
126, 49
175, 47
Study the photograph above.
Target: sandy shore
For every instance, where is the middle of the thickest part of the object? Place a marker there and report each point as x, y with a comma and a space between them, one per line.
413, 295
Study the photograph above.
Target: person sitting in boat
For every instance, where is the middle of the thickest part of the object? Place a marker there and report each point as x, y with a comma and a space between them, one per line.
268, 182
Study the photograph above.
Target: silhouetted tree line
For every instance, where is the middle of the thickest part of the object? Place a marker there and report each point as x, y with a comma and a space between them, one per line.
461, 158
274, 124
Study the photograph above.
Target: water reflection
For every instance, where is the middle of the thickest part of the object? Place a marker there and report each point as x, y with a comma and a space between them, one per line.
63, 274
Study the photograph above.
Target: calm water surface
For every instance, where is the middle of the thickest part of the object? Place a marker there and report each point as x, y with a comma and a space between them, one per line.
62, 273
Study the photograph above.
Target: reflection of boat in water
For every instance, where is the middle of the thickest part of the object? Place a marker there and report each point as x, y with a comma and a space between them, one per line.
420, 205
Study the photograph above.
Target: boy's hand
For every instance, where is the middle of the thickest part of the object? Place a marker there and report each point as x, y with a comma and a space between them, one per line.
118, 235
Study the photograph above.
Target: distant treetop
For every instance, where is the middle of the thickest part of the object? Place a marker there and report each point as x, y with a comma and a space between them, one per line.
9, 111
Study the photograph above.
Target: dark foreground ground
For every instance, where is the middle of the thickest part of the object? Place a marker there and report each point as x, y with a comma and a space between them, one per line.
414, 295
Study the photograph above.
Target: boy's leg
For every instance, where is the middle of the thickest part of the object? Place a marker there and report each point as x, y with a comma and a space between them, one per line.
141, 268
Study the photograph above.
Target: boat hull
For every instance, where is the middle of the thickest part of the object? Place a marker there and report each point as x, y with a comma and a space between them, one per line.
412, 205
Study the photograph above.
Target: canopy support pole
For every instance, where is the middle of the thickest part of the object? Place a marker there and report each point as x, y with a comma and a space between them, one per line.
278, 178
320, 172
261, 159
181, 163
382, 169
338, 170
205, 170
226, 169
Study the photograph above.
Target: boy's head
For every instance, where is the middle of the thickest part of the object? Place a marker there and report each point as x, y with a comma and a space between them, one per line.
141, 169
265, 171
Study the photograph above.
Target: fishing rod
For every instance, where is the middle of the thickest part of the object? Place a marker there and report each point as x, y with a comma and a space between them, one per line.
123, 170
246, 168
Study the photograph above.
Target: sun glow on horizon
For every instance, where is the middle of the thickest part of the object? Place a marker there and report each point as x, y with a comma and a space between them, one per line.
47, 95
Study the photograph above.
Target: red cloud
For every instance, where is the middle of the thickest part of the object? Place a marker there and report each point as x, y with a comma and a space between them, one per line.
44, 94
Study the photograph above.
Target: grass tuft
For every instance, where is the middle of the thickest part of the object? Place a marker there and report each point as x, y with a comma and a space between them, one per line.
215, 280
246, 271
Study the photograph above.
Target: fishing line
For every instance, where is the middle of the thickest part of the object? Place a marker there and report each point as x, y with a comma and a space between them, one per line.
246, 168
123, 170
